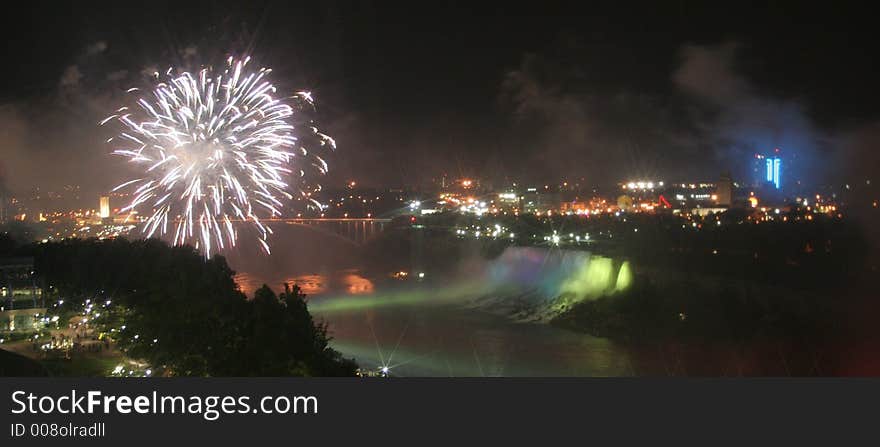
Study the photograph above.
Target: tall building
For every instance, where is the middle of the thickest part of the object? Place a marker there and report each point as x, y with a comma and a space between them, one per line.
767, 170
18, 285
104, 210
724, 190
3, 210
773, 167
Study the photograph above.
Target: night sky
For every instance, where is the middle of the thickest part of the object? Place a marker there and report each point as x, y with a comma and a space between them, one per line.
603, 92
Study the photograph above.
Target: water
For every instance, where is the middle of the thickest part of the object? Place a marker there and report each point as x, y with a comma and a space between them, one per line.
429, 328
452, 341
415, 328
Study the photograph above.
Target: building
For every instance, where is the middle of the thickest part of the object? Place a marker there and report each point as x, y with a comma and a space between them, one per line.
529, 200
18, 284
574, 207
540, 200
3, 209
773, 166
692, 195
767, 170
7, 205
724, 191
508, 200
104, 209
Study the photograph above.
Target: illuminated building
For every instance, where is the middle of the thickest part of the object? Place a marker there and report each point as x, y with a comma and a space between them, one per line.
508, 201
767, 170
530, 200
773, 170
18, 285
641, 193
104, 207
690, 195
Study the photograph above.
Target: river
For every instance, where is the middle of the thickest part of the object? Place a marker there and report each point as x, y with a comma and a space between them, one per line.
429, 328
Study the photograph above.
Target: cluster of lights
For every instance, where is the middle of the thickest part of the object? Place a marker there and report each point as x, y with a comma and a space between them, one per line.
595, 206
643, 185
39, 322
135, 370
404, 275
472, 206
382, 371
356, 205
557, 239
495, 231
694, 185
113, 231
466, 205
92, 311
59, 344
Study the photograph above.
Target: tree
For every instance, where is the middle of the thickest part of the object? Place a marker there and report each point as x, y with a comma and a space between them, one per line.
184, 314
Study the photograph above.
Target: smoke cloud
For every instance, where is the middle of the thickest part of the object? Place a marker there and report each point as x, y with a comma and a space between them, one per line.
736, 121
707, 119
71, 77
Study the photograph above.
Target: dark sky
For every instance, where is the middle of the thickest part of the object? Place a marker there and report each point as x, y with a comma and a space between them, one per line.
606, 91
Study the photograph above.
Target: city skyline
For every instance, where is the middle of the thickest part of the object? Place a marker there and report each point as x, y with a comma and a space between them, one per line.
558, 97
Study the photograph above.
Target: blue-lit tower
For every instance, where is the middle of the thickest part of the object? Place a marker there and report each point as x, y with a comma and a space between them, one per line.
767, 170
774, 170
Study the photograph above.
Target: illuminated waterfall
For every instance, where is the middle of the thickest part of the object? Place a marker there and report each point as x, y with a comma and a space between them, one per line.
624, 277
549, 274
593, 279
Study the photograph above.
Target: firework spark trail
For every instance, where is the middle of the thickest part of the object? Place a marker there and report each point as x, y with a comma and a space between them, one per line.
214, 149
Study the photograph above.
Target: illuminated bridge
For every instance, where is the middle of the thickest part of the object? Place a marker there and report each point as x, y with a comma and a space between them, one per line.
353, 230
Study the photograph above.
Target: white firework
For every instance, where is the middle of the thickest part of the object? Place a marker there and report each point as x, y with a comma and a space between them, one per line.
215, 150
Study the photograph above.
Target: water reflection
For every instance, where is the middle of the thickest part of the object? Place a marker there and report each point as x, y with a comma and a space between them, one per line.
348, 282
357, 284
448, 340
246, 283
309, 284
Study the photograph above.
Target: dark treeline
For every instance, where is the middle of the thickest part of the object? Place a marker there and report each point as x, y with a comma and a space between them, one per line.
689, 310
183, 314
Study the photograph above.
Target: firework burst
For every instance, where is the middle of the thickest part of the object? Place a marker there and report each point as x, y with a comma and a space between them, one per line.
216, 149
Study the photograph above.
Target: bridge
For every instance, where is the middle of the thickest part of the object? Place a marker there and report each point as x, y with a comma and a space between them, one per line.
356, 231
